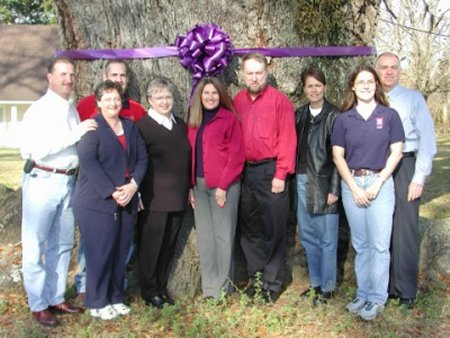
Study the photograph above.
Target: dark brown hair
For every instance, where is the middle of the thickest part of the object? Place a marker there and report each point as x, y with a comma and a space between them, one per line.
257, 57
315, 73
107, 86
110, 62
59, 59
350, 99
195, 115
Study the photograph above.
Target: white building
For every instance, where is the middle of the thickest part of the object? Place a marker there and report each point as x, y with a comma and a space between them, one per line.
25, 51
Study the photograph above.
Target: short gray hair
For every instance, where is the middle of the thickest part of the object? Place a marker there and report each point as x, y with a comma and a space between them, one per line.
158, 83
387, 54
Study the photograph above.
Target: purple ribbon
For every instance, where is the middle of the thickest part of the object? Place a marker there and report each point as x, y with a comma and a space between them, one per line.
206, 50
129, 53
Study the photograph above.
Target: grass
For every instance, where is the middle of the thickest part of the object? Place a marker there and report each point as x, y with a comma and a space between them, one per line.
436, 196
239, 316
11, 165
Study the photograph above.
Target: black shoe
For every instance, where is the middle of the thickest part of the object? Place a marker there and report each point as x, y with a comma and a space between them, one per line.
155, 301
316, 291
393, 296
407, 303
323, 298
270, 296
167, 299
250, 291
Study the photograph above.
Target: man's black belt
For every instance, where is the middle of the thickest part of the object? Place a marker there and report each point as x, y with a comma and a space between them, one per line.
409, 154
260, 162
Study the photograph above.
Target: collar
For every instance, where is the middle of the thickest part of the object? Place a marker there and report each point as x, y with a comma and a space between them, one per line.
378, 110
393, 92
55, 96
161, 119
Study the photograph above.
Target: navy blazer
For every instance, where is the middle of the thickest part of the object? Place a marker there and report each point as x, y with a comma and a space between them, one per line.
103, 165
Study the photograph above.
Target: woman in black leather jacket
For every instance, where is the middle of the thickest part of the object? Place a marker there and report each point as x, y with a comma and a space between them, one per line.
318, 186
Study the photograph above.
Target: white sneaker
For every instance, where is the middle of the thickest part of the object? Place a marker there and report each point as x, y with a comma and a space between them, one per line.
104, 313
121, 308
371, 310
356, 305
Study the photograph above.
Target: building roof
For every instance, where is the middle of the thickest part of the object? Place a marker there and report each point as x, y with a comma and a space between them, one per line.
25, 51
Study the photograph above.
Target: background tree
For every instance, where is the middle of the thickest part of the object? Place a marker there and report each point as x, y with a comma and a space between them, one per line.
419, 32
249, 23
27, 12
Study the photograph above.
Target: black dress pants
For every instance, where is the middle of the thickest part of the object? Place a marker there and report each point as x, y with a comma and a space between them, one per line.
263, 225
157, 234
404, 245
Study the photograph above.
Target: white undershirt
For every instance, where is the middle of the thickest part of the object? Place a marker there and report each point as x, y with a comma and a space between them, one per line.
166, 122
315, 111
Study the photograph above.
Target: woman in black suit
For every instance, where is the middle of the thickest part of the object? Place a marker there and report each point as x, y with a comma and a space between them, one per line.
164, 191
113, 161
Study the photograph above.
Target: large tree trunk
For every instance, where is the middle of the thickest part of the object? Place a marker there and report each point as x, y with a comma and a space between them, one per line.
249, 23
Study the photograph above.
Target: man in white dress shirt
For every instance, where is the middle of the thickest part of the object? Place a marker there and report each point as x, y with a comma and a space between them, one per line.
51, 129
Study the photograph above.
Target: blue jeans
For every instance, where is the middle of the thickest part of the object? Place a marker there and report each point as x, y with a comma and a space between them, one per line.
371, 235
319, 236
47, 236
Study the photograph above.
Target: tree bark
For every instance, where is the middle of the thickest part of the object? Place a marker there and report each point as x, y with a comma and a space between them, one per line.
249, 23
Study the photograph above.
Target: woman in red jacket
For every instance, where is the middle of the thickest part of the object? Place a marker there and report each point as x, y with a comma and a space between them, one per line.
215, 134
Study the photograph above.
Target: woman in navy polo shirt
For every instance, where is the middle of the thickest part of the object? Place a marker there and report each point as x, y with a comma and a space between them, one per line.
215, 134
367, 146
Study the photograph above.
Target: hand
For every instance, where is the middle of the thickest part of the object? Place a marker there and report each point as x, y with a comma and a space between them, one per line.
332, 199
359, 195
415, 190
87, 125
374, 189
124, 193
191, 198
277, 185
221, 197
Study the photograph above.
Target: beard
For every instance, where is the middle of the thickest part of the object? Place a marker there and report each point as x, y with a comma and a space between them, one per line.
256, 89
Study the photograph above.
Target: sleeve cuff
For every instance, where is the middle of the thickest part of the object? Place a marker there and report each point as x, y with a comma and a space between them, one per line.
280, 174
419, 179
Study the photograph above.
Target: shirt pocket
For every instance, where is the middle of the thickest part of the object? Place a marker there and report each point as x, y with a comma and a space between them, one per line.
264, 127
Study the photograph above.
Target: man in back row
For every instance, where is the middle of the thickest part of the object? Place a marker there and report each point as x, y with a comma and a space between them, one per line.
409, 178
117, 71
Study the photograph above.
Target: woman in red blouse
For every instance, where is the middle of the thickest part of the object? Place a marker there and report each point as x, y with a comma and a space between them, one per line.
218, 157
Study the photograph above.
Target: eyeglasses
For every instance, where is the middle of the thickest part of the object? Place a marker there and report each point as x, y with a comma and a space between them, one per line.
162, 98
364, 83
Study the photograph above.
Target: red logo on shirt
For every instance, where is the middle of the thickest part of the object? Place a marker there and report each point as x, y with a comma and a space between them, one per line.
379, 123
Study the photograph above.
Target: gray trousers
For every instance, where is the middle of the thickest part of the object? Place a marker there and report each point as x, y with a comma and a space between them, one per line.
216, 229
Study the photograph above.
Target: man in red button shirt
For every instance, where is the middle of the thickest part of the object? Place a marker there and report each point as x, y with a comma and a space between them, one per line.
117, 71
268, 126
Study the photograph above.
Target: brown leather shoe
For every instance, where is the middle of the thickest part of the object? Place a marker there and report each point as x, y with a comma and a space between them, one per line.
65, 307
45, 317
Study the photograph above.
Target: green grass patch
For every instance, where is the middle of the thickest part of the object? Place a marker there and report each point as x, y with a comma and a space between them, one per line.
11, 165
436, 196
